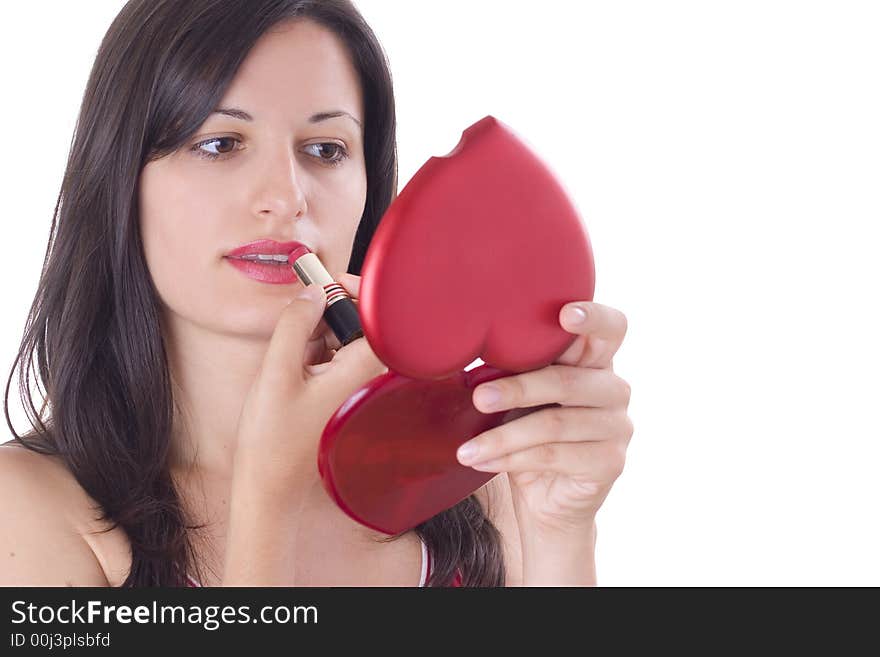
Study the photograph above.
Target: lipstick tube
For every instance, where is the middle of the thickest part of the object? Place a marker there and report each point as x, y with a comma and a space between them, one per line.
340, 313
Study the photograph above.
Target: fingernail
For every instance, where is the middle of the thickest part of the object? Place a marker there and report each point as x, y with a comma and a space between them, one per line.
488, 396
467, 452
574, 315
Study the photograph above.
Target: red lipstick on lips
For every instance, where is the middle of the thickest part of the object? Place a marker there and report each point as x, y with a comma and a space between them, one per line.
267, 270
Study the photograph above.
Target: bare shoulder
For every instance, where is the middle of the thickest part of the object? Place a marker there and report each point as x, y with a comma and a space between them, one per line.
495, 498
48, 523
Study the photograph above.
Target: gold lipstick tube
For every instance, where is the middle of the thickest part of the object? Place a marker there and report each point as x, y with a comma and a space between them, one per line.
341, 313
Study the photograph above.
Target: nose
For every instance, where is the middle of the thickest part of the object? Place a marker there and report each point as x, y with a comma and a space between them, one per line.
279, 190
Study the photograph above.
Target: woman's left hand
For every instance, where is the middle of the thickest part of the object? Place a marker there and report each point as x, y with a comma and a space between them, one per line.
561, 461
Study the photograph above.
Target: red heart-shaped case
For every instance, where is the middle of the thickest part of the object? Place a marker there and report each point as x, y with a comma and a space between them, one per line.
473, 260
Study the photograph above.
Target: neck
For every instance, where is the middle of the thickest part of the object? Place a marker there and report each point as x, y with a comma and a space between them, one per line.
211, 374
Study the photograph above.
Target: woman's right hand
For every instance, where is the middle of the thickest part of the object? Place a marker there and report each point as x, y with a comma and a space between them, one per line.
298, 388
304, 378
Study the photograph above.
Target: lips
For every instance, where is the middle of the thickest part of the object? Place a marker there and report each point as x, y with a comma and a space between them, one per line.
266, 247
264, 273
274, 274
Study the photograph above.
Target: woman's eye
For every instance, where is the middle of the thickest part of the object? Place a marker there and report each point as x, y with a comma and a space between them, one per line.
213, 155
328, 153
333, 156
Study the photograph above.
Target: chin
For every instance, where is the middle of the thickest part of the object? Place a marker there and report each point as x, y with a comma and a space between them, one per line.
256, 321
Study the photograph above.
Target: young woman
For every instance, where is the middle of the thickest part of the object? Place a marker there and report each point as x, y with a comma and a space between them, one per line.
176, 443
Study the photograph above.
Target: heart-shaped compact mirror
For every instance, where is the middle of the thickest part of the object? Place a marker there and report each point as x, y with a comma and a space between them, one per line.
473, 260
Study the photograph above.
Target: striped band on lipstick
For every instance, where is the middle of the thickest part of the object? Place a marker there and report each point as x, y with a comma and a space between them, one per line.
341, 314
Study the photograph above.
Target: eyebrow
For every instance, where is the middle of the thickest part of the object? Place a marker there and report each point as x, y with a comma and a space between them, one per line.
241, 115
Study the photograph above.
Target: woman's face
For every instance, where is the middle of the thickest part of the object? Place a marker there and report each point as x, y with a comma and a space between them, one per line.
286, 175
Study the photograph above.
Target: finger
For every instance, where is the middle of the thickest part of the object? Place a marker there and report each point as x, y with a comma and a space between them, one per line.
350, 282
602, 321
587, 351
598, 462
597, 321
352, 366
562, 384
318, 368
317, 351
284, 358
557, 425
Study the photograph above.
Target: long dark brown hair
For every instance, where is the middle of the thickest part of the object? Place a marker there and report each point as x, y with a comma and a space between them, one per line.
93, 330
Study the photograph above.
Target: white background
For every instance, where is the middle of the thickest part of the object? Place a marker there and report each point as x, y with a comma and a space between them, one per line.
725, 157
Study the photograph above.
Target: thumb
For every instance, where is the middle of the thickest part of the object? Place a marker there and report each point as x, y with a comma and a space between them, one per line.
282, 363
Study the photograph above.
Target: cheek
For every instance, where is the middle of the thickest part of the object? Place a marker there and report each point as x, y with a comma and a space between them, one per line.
183, 240
169, 226
338, 210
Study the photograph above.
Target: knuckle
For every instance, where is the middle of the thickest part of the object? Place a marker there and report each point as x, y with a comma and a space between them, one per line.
616, 465
567, 380
625, 430
513, 390
566, 376
624, 323
618, 462
625, 390
545, 455
557, 419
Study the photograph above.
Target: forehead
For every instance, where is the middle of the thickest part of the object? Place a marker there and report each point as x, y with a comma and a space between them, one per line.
296, 68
